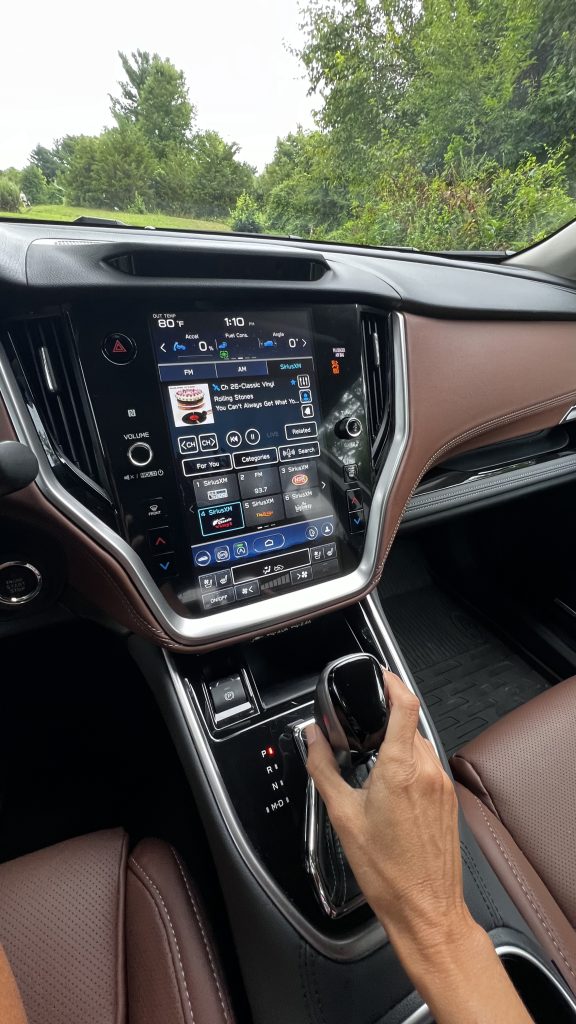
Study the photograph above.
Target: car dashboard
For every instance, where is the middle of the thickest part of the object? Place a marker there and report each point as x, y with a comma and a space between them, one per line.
230, 431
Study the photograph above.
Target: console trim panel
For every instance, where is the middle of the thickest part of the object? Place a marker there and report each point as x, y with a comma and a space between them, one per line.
370, 936
238, 621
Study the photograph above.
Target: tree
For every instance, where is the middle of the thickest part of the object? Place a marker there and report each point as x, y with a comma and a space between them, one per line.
246, 216
136, 69
34, 185
47, 160
302, 190
218, 178
155, 99
79, 178
359, 57
124, 168
9, 195
174, 182
165, 114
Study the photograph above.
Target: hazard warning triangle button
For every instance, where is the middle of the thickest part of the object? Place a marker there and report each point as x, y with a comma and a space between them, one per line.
119, 349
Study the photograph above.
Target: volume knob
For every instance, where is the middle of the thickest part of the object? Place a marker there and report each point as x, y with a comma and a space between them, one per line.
140, 454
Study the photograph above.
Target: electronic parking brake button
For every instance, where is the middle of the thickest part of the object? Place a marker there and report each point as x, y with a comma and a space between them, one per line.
229, 698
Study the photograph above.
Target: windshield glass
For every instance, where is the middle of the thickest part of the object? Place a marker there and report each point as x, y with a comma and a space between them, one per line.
438, 124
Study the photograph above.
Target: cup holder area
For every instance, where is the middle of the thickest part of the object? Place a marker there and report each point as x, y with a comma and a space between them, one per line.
544, 996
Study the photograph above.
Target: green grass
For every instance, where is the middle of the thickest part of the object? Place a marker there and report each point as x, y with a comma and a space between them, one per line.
142, 220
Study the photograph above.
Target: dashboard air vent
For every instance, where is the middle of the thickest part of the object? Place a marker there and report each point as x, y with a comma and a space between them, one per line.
376, 344
48, 373
218, 266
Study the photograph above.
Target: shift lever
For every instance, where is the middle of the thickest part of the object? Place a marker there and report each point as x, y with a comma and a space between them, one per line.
351, 708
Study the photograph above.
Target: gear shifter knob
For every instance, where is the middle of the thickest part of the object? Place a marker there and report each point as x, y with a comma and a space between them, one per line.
351, 708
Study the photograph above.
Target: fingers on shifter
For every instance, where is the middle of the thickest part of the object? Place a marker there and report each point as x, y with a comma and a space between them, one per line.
351, 708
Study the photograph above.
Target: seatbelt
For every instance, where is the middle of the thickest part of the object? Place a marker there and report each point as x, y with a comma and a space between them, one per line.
11, 1009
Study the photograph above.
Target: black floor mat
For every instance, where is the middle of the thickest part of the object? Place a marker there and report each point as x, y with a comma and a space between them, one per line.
467, 676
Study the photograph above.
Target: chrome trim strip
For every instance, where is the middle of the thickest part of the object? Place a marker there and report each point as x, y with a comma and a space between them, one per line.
570, 415
221, 716
311, 859
237, 621
47, 370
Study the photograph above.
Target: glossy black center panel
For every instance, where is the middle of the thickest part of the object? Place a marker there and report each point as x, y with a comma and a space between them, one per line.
257, 756
237, 445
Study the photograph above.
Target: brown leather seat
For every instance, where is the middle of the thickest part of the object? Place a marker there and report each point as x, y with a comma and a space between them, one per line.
100, 936
517, 787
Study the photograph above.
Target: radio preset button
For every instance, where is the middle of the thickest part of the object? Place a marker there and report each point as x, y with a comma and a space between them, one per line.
140, 454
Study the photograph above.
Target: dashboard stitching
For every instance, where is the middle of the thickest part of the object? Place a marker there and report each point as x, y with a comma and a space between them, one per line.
137, 618
468, 434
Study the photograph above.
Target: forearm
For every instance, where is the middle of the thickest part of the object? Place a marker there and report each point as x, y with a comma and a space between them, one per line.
460, 977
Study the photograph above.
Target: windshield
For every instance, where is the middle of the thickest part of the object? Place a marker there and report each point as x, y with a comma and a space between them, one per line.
437, 124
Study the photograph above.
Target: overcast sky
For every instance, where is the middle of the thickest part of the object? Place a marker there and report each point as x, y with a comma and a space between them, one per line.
59, 63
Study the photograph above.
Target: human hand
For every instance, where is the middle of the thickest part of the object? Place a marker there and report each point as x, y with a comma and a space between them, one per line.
400, 832
400, 835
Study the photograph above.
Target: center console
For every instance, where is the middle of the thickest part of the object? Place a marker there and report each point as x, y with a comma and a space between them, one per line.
310, 949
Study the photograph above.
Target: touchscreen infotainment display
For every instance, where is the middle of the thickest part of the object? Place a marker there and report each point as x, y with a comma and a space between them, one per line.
242, 403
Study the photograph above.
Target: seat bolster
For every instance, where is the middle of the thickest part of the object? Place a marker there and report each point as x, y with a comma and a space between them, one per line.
526, 888
465, 772
173, 970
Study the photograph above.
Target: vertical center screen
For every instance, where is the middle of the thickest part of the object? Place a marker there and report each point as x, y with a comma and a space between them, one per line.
242, 403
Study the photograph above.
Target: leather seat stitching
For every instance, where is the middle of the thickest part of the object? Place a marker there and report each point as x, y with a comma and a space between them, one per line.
202, 932
530, 896
121, 948
156, 889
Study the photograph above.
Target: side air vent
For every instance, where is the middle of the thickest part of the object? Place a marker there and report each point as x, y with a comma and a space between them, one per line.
218, 266
48, 373
376, 343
